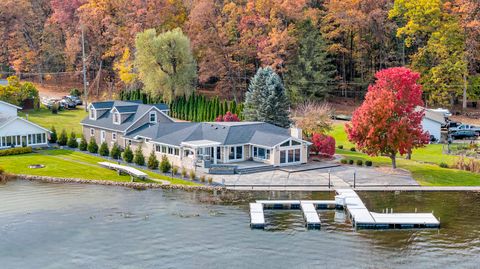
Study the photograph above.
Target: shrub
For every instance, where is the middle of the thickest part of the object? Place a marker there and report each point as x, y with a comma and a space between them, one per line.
368, 163
115, 152
323, 144
92, 146
340, 146
359, 162
103, 151
165, 165
192, 174
53, 135
83, 144
72, 141
152, 162
210, 180
353, 149
174, 170
443, 165
350, 161
467, 164
63, 138
202, 179
138, 157
55, 108
128, 155
184, 172
343, 161
75, 92
16, 151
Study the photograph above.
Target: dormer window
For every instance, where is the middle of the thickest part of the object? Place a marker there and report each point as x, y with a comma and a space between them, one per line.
153, 116
116, 118
92, 114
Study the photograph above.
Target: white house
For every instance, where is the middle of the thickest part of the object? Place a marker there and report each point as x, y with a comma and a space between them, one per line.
16, 131
432, 123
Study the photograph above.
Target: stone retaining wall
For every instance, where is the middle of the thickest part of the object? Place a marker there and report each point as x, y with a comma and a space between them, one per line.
134, 185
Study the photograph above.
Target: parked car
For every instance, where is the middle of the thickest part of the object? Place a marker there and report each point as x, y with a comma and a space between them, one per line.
48, 103
462, 134
68, 103
444, 111
466, 127
77, 100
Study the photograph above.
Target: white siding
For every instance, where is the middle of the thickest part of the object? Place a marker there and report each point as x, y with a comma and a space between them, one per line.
7, 111
432, 127
22, 131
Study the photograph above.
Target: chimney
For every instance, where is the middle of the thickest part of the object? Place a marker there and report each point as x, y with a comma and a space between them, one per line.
296, 132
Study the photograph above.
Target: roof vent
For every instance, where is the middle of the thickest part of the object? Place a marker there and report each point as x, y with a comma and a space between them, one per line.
216, 128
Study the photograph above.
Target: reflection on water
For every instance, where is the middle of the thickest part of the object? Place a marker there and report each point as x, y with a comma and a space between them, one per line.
84, 226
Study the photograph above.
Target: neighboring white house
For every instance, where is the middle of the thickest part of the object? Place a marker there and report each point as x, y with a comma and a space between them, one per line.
16, 131
432, 123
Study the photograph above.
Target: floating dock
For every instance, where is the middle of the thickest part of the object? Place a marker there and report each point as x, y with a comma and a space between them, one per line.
355, 209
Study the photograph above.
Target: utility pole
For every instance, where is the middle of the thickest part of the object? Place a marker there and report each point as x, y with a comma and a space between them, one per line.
84, 70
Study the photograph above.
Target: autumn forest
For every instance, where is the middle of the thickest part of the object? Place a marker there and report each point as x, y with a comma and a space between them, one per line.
317, 47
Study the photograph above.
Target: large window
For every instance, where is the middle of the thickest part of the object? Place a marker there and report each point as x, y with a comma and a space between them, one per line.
236, 153
261, 153
290, 156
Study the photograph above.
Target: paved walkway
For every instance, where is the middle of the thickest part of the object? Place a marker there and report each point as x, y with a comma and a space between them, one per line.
372, 188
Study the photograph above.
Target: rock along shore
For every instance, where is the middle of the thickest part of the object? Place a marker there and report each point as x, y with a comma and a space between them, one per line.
133, 185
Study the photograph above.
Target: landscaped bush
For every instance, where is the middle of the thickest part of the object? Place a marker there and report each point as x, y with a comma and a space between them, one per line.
103, 151
53, 135
353, 149
115, 152
128, 155
443, 165
350, 161
138, 157
359, 162
343, 161
368, 163
184, 172
83, 144
202, 179
152, 162
174, 170
165, 165
16, 151
72, 141
192, 175
210, 180
467, 164
63, 138
340, 146
55, 108
92, 146
323, 144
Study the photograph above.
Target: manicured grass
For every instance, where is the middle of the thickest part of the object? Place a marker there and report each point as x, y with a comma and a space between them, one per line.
423, 165
65, 119
69, 164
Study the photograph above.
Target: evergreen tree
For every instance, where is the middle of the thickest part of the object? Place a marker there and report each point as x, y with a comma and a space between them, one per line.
266, 99
103, 151
83, 144
152, 161
115, 152
138, 158
63, 138
92, 146
165, 165
311, 74
128, 155
53, 135
72, 141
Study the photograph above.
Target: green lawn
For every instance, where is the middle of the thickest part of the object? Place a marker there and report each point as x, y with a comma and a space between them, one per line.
423, 165
71, 164
65, 119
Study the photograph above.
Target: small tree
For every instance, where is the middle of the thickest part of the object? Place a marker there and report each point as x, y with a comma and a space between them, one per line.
63, 138
128, 154
115, 152
313, 117
92, 146
323, 144
138, 158
228, 117
165, 165
53, 135
103, 151
389, 121
72, 141
152, 162
83, 144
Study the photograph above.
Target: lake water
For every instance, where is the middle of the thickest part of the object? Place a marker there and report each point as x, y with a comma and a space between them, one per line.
86, 226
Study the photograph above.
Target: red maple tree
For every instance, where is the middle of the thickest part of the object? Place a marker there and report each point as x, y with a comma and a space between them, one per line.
229, 116
323, 144
389, 120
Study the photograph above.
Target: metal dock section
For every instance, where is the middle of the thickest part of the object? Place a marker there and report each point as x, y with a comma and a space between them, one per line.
257, 219
310, 215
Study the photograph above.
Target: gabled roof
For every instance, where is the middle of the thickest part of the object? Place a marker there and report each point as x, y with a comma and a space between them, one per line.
6, 121
162, 106
8, 104
104, 115
435, 116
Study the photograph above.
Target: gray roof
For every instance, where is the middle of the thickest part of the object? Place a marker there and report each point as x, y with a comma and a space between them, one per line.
4, 119
258, 133
162, 106
435, 116
105, 120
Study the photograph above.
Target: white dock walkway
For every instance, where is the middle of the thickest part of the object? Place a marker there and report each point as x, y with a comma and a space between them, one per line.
125, 169
312, 221
257, 219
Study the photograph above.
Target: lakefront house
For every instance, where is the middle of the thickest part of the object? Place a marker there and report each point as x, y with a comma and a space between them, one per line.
192, 144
